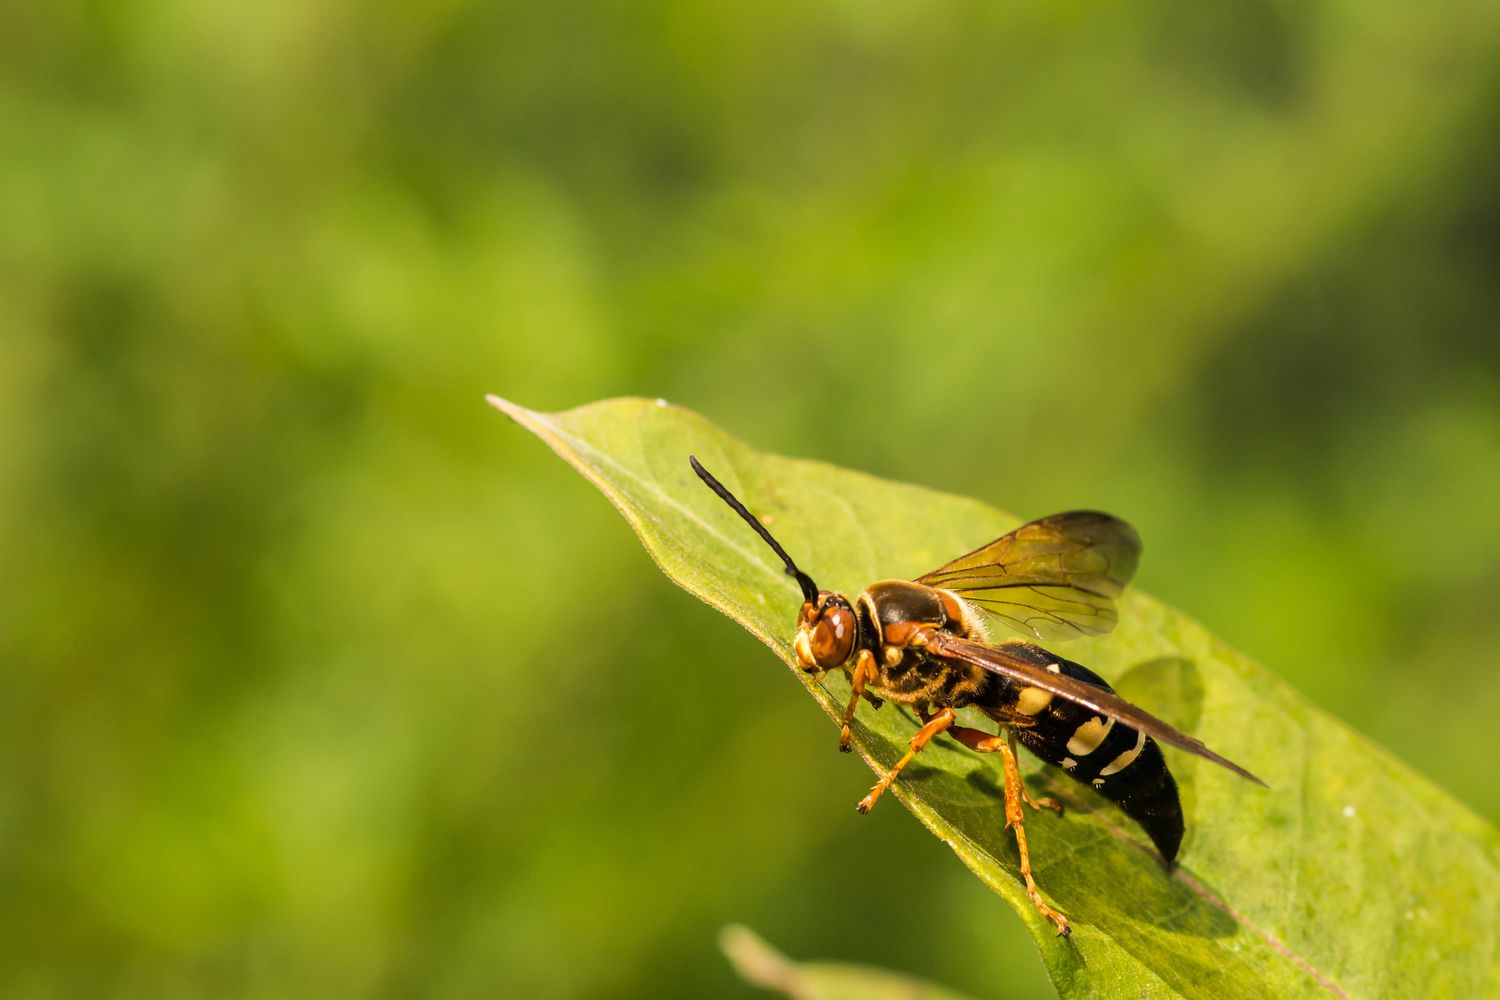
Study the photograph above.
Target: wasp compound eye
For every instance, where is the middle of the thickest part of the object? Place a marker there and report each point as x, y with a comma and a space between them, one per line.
833, 638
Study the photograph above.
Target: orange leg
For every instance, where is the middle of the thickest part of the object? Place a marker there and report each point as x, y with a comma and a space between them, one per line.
939, 722
983, 742
1046, 801
1015, 794
864, 670
1013, 821
1015, 791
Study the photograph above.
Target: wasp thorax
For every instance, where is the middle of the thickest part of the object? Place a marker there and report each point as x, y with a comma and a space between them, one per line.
825, 632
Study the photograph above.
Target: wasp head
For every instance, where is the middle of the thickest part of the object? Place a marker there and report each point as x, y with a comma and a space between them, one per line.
826, 629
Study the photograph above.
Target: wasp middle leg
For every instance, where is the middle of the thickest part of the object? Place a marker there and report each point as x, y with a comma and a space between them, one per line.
982, 742
935, 725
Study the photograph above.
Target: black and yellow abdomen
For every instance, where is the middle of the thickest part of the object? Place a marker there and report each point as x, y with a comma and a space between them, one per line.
1122, 764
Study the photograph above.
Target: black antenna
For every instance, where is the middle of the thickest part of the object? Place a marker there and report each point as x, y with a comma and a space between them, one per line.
809, 589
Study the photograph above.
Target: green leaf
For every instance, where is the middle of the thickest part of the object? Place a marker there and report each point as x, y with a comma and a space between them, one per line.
1351, 876
760, 964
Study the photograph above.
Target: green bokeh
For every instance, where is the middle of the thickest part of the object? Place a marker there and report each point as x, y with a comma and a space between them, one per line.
318, 678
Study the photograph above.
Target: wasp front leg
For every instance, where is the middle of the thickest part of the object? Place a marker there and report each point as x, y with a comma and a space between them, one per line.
863, 673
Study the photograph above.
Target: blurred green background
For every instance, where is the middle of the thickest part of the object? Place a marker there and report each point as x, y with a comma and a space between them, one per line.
320, 678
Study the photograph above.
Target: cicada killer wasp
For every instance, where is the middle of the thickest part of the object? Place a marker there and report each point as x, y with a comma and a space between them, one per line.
925, 643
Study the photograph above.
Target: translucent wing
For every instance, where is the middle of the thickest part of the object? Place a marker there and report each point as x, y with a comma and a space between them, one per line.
1026, 664
1054, 578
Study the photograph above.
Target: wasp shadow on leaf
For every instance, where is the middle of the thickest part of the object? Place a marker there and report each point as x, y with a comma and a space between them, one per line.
1171, 688
1099, 869
1121, 883
1093, 862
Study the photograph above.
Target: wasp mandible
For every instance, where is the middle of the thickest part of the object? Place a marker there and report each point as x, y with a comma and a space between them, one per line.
925, 643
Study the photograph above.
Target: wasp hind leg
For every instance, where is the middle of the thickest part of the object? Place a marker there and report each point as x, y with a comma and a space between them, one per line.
1046, 801
1015, 794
